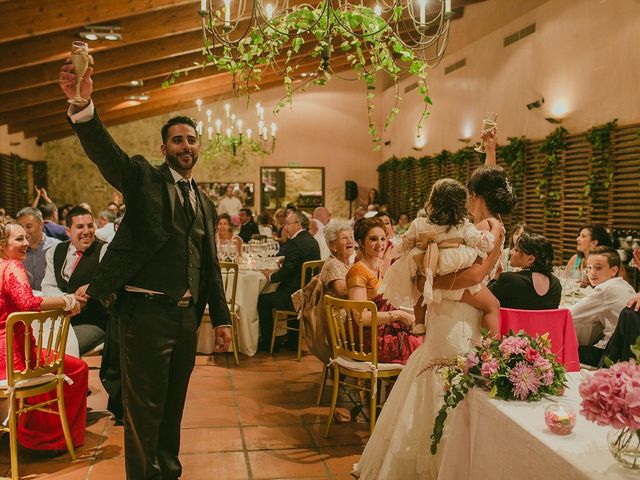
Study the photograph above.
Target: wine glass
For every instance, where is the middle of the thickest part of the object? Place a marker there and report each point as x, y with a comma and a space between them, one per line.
488, 124
232, 252
80, 59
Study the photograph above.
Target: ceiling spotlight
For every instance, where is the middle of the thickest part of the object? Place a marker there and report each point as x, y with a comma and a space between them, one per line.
101, 32
136, 83
142, 97
535, 104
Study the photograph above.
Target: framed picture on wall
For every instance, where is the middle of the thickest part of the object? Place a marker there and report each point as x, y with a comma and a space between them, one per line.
302, 186
245, 191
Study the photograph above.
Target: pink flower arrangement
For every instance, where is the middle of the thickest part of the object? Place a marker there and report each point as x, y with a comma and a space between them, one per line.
235, 220
612, 396
516, 367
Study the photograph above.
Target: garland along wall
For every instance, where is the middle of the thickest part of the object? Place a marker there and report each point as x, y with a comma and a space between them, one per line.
554, 208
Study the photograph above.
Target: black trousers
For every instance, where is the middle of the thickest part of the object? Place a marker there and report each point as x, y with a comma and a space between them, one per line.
157, 356
266, 303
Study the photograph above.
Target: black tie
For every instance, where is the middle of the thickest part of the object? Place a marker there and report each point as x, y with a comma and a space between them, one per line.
185, 188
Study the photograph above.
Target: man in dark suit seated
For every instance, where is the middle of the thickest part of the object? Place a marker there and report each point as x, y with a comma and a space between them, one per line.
249, 227
301, 247
71, 266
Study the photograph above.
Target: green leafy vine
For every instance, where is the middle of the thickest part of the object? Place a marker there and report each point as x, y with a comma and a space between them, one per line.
554, 144
460, 158
601, 168
280, 45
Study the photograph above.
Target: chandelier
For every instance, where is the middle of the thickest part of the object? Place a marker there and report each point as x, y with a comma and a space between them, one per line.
229, 136
421, 26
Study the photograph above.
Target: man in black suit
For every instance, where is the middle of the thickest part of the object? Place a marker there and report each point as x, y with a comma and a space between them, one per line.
249, 227
301, 247
163, 267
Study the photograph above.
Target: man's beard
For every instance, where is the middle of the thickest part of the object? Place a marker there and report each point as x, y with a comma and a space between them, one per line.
175, 163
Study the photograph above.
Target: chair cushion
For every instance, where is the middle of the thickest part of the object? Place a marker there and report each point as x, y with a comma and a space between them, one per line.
365, 366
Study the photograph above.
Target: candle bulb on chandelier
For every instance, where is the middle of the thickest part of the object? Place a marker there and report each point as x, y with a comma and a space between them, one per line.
264, 133
199, 127
218, 125
209, 132
274, 128
227, 13
239, 124
199, 104
423, 11
228, 132
227, 109
447, 6
377, 10
249, 133
203, 5
233, 119
209, 113
269, 11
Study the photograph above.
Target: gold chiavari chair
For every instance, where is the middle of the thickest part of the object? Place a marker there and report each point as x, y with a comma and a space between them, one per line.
229, 272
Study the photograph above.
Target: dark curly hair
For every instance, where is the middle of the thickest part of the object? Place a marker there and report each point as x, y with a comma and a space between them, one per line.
362, 227
492, 185
447, 203
540, 248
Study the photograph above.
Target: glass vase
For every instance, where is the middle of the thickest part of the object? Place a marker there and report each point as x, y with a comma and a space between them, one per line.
624, 445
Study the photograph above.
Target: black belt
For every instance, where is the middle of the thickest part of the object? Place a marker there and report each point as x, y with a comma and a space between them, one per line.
185, 302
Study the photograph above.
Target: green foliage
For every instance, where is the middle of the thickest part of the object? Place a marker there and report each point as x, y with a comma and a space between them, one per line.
601, 168
554, 144
441, 159
319, 32
460, 158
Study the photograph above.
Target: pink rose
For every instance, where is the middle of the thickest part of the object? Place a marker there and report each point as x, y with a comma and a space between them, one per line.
530, 354
513, 345
542, 363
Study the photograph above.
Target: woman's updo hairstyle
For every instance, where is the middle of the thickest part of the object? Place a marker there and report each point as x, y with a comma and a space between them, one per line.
362, 227
5, 229
447, 203
540, 248
492, 185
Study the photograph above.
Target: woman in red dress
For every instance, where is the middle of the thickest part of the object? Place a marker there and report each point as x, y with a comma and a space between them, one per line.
37, 430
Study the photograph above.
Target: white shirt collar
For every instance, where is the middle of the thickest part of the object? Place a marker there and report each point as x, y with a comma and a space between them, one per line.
177, 177
296, 234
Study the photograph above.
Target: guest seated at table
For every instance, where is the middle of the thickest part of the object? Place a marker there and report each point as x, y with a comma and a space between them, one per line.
224, 232
590, 237
362, 284
321, 218
391, 240
35, 262
301, 247
70, 267
518, 230
265, 224
533, 286
339, 237
37, 430
596, 316
249, 227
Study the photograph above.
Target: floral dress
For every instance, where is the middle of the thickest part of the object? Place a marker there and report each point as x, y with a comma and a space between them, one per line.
39, 430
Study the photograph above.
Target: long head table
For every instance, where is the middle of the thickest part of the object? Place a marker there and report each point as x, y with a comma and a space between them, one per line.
496, 439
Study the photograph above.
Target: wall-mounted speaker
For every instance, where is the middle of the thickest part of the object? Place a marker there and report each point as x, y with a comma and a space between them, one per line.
350, 190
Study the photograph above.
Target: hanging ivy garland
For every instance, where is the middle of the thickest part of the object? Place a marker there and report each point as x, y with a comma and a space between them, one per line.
601, 168
441, 159
554, 144
460, 158
376, 50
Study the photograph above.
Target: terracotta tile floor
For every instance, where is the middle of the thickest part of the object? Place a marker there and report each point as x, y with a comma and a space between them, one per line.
255, 421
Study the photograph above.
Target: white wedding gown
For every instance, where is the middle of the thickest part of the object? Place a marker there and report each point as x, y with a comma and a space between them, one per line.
399, 448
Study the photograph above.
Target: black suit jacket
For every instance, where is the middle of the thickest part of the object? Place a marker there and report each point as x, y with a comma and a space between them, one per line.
302, 248
247, 230
149, 193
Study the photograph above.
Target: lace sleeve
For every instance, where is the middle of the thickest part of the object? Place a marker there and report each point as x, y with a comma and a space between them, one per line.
407, 240
16, 285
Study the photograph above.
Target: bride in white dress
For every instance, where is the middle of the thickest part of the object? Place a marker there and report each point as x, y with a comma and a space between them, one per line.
399, 446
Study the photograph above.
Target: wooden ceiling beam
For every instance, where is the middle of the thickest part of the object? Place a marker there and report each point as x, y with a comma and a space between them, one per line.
103, 80
113, 59
27, 18
134, 29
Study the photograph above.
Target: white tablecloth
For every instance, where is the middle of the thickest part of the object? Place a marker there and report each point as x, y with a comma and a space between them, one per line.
495, 439
250, 284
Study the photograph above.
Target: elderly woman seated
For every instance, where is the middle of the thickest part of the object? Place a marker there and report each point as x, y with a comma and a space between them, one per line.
339, 237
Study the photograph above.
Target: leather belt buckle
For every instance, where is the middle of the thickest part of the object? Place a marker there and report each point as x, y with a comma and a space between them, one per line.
184, 302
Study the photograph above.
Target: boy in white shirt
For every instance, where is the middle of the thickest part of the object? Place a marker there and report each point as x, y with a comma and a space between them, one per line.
596, 316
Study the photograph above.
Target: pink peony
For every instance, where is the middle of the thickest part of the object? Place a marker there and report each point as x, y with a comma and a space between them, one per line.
472, 361
513, 345
525, 380
489, 367
612, 396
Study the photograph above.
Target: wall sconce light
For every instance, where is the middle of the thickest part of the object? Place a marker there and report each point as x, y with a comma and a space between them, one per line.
135, 83
142, 97
465, 140
558, 111
535, 104
101, 32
